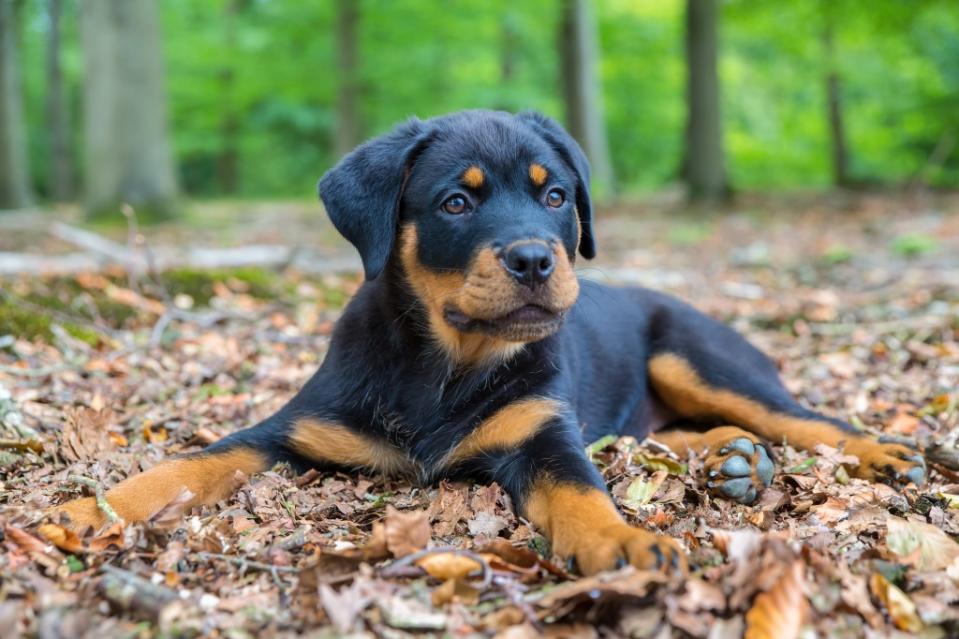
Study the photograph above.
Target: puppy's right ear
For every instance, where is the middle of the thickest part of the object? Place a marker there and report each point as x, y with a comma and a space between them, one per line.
362, 193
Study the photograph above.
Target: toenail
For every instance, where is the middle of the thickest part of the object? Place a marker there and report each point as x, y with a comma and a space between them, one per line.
736, 488
744, 446
750, 496
620, 563
713, 473
735, 467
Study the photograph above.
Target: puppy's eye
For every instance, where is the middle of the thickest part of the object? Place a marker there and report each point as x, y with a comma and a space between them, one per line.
555, 198
455, 205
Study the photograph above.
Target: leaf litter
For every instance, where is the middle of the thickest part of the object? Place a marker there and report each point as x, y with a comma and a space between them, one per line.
873, 338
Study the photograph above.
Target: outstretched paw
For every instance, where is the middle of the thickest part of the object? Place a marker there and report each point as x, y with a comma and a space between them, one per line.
620, 545
739, 468
892, 464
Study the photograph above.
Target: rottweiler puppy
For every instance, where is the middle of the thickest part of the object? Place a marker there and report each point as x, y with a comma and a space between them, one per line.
473, 351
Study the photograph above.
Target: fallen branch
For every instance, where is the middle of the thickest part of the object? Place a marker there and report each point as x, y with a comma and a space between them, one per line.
92, 242
101, 497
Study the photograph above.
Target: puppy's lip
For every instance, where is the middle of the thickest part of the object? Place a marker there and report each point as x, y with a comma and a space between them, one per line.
526, 315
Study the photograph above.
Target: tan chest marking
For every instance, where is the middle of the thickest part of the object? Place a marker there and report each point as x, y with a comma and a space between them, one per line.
508, 428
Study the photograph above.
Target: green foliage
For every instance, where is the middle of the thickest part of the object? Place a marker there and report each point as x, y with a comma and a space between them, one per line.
21, 322
199, 284
914, 245
259, 78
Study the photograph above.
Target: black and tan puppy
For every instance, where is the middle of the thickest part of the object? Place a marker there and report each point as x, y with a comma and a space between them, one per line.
473, 351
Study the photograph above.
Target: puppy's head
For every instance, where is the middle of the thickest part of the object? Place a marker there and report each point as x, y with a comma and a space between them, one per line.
482, 211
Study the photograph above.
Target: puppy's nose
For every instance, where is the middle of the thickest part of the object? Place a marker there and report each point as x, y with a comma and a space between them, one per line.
531, 263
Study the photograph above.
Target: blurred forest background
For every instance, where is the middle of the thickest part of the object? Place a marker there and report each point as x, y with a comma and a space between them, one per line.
148, 102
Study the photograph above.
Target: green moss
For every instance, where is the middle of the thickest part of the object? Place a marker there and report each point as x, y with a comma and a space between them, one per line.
199, 284
26, 324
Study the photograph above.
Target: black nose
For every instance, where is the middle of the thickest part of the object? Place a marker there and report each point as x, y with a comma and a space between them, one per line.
531, 263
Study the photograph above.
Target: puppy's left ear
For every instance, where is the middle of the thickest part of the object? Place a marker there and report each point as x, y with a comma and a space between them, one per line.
568, 149
362, 193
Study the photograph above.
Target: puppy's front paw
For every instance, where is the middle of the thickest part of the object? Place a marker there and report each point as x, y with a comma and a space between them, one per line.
893, 464
621, 544
739, 468
83, 513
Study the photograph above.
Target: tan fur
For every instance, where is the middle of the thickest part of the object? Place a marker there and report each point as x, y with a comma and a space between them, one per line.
322, 441
675, 381
537, 174
582, 522
210, 477
473, 177
508, 428
484, 291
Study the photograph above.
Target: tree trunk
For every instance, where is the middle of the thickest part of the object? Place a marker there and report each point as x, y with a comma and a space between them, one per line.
228, 158
837, 128
582, 91
347, 107
704, 165
59, 148
127, 148
15, 191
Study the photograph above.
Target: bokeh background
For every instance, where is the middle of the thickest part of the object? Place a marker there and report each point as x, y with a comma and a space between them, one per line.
164, 103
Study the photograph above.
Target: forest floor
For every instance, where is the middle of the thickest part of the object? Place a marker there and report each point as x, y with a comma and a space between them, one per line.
104, 373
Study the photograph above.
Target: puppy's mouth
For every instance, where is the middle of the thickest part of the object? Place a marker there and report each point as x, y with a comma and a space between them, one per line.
527, 323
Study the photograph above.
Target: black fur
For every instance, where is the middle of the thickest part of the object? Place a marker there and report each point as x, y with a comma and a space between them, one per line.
383, 375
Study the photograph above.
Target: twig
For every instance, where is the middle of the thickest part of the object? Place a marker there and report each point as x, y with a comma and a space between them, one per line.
90, 241
133, 592
245, 563
101, 497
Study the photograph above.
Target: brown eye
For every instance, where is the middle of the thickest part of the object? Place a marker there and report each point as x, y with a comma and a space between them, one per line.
555, 198
455, 205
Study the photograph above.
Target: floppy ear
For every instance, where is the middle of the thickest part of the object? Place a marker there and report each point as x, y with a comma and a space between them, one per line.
568, 149
362, 193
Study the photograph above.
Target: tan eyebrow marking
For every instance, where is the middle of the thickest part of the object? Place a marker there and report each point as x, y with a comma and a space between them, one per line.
473, 177
537, 174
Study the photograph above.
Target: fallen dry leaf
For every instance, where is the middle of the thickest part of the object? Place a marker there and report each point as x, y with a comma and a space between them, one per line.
85, 433
61, 537
448, 565
406, 532
779, 613
900, 608
920, 544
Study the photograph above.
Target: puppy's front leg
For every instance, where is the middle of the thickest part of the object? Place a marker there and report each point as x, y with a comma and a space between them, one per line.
554, 485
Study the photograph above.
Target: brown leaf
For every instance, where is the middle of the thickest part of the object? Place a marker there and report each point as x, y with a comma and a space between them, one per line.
449, 565
486, 523
901, 610
25, 540
406, 532
113, 535
455, 590
172, 514
61, 537
85, 433
779, 612
920, 544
